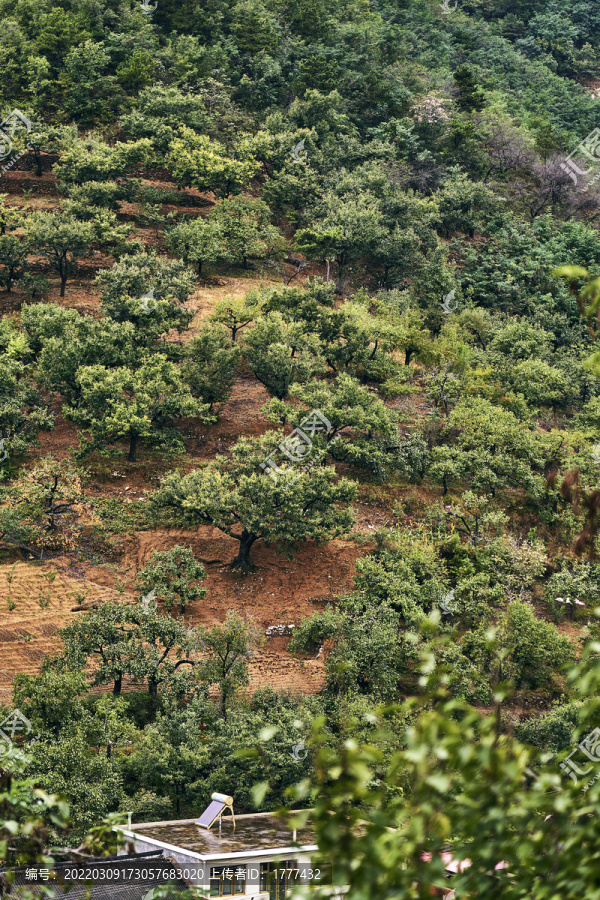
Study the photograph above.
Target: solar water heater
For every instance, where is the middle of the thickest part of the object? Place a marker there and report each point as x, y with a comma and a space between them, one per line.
215, 809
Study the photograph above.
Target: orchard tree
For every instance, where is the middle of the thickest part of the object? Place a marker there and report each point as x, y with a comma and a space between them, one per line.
541, 384
343, 229
399, 255
91, 159
228, 648
86, 199
52, 700
246, 228
196, 160
135, 275
464, 205
311, 304
368, 654
413, 337
159, 110
65, 341
360, 337
209, 365
163, 645
233, 495
322, 245
114, 239
10, 216
236, 313
62, 239
361, 430
149, 291
490, 446
124, 641
173, 576
198, 241
24, 412
138, 404
91, 784
526, 649
281, 354
13, 253
44, 510
42, 321
49, 139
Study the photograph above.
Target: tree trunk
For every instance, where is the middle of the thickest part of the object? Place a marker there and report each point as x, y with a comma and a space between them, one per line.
118, 684
153, 686
224, 703
38, 163
63, 277
200, 268
132, 446
326, 271
242, 560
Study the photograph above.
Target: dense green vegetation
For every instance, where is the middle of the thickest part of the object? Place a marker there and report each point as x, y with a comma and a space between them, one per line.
422, 272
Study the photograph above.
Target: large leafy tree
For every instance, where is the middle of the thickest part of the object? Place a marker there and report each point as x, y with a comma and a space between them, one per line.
236, 314
226, 649
65, 341
159, 111
173, 576
489, 446
122, 640
198, 241
280, 354
13, 254
62, 239
49, 139
209, 365
233, 495
52, 700
45, 511
91, 159
133, 404
343, 229
456, 784
246, 229
529, 651
194, 159
368, 655
11, 216
149, 291
360, 338
362, 430
24, 412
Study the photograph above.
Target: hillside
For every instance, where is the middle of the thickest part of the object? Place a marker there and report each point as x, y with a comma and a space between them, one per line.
300, 418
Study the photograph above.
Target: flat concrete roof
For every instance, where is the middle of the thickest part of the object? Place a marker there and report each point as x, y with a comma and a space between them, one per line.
257, 831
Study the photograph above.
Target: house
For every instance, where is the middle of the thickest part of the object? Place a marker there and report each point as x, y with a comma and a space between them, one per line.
255, 856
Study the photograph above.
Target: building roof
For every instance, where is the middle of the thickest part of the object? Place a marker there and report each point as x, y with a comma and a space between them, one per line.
255, 833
